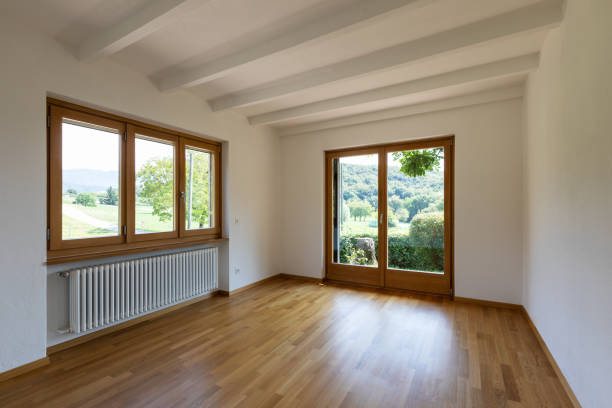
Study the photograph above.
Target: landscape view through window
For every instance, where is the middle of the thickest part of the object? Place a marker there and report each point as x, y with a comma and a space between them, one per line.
415, 213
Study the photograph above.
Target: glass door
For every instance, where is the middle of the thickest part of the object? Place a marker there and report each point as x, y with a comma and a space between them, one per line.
418, 206
389, 216
354, 219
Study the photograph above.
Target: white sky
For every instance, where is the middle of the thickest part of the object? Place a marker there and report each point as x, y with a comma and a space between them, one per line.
94, 149
86, 148
370, 159
147, 149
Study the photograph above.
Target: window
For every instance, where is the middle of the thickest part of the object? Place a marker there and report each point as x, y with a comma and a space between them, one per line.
118, 186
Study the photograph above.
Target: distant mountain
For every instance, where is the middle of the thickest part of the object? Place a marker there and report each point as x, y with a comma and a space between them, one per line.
89, 181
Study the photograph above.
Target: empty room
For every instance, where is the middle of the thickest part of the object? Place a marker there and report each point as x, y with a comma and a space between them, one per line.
306, 203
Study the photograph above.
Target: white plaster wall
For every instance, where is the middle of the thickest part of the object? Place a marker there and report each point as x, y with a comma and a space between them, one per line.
568, 198
33, 66
488, 193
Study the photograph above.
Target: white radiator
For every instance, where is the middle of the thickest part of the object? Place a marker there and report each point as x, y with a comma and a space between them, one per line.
105, 294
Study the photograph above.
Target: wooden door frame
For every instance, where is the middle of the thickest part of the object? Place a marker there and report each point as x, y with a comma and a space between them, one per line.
365, 275
356, 273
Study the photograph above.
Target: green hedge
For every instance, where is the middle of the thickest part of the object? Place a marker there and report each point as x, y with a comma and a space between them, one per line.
422, 249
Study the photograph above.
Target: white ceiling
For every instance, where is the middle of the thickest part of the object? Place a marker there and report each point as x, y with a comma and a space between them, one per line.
263, 56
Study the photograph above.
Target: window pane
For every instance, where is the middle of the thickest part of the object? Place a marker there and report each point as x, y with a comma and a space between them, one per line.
90, 181
199, 189
415, 200
154, 160
355, 210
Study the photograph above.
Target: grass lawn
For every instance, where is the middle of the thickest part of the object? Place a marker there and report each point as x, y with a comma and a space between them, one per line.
145, 220
72, 229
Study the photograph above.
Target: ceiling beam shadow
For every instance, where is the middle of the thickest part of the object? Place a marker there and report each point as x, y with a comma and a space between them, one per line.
146, 20
541, 16
359, 12
482, 72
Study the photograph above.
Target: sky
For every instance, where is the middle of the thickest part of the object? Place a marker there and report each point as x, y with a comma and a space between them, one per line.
371, 159
95, 149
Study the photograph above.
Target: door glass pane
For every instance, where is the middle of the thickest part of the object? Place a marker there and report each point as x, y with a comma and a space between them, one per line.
155, 196
415, 201
90, 181
355, 210
198, 189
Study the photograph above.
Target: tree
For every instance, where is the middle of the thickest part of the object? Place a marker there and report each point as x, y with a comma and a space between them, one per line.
110, 197
155, 186
72, 191
416, 204
395, 203
415, 163
198, 198
360, 210
85, 199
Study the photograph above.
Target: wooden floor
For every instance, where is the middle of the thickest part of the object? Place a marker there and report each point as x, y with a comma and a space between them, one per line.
289, 343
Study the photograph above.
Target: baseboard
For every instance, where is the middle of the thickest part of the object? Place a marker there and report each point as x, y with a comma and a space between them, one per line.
26, 368
103, 332
299, 277
488, 303
247, 287
552, 361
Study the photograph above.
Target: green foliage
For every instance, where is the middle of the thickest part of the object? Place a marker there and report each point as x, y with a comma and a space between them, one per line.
360, 209
416, 204
422, 249
110, 197
346, 212
200, 196
355, 256
391, 220
403, 215
427, 239
416, 163
436, 206
359, 184
71, 191
395, 203
155, 186
85, 199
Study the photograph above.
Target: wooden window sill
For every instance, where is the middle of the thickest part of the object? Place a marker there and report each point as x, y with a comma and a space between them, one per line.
81, 254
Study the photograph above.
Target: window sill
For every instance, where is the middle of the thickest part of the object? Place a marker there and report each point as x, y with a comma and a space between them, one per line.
81, 254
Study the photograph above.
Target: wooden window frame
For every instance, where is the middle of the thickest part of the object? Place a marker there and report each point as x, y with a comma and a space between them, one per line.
153, 135
383, 276
215, 152
60, 251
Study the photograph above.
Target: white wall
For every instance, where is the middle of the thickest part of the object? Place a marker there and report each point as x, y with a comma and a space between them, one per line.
488, 193
568, 198
33, 66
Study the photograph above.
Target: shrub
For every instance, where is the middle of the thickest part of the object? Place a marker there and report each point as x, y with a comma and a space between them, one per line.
427, 239
356, 256
421, 249
86, 199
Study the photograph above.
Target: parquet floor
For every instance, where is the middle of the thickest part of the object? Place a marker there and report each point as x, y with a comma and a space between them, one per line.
289, 343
